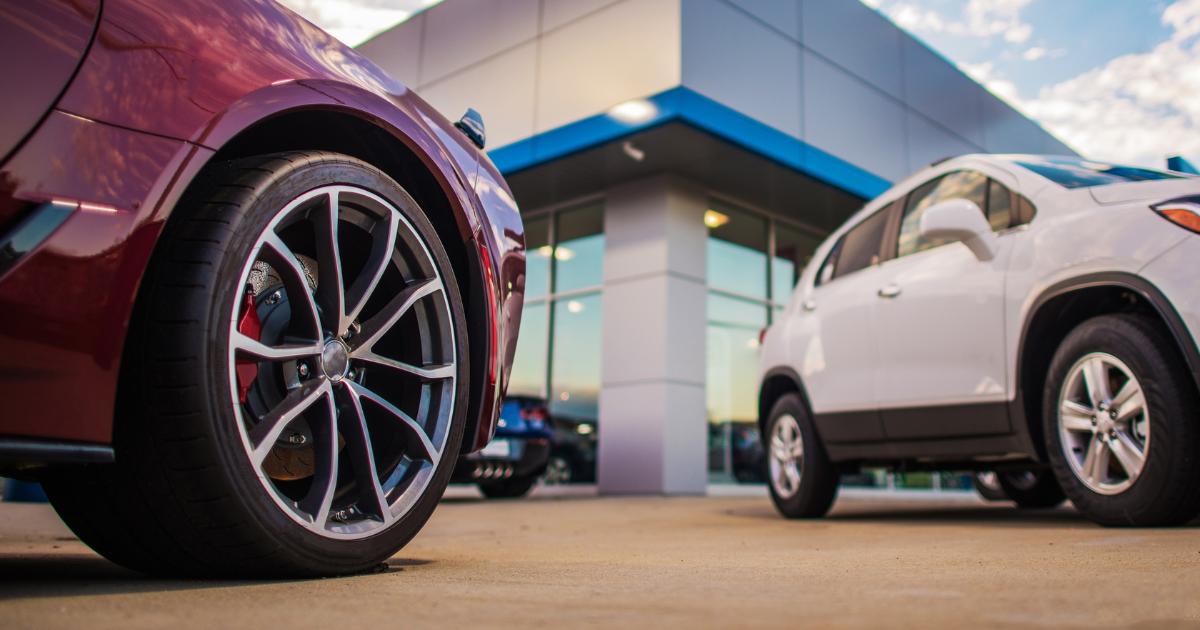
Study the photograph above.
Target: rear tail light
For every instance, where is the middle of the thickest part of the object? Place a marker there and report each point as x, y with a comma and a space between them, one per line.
1184, 212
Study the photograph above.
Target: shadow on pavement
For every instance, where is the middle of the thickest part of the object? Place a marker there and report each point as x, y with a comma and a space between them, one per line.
59, 575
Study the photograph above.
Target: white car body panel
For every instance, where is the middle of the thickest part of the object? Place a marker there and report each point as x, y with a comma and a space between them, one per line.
953, 334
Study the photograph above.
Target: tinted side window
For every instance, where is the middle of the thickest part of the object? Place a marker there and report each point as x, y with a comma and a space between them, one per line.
999, 206
1025, 211
969, 185
860, 246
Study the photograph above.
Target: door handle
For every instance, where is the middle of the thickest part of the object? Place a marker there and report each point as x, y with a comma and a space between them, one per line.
809, 305
890, 291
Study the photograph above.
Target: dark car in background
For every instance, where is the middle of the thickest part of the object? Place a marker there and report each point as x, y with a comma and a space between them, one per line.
509, 466
256, 296
572, 451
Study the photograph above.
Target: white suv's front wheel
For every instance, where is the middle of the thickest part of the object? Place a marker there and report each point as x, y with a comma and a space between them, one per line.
802, 480
1121, 425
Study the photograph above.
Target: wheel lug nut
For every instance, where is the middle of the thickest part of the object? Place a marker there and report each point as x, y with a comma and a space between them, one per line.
274, 298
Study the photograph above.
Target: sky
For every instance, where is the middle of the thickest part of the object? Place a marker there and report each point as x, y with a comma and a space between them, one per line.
1117, 80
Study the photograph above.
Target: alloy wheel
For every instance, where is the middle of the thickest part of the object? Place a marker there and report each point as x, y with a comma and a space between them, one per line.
342, 362
1104, 423
786, 461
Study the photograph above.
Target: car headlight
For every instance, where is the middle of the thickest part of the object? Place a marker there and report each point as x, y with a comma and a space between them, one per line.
1184, 212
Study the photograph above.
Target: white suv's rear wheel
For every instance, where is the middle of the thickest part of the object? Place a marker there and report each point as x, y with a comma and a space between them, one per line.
1121, 425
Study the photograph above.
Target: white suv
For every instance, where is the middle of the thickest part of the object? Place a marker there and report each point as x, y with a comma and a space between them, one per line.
1032, 315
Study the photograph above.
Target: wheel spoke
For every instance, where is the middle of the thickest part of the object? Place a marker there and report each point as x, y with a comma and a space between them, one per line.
287, 352
1076, 417
793, 476
425, 372
383, 242
1129, 454
429, 453
374, 328
1095, 379
1095, 465
1131, 403
330, 289
264, 434
325, 478
362, 458
295, 280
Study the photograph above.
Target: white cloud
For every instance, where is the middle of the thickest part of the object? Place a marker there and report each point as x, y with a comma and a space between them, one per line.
1136, 108
1037, 52
355, 21
980, 18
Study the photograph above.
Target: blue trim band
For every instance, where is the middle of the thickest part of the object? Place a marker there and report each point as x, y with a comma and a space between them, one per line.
683, 104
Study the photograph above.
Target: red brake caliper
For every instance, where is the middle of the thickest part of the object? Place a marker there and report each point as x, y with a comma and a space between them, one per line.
249, 325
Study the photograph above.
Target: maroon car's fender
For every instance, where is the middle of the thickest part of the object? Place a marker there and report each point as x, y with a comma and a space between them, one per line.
163, 88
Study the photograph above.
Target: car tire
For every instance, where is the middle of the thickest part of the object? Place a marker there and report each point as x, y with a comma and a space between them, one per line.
1031, 489
204, 484
511, 488
1141, 412
802, 481
560, 470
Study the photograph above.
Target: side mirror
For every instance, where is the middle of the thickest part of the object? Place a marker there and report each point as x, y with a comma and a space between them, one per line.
960, 220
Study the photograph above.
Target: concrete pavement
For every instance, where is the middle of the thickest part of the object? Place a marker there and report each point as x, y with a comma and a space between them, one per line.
576, 560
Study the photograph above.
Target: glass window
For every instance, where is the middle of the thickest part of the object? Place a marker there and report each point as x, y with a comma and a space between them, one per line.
793, 250
970, 185
529, 365
860, 246
737, 246
732, 371
575, 371
999, 206
1078, 173
537, 258
579, 254
1025, 210
825, 274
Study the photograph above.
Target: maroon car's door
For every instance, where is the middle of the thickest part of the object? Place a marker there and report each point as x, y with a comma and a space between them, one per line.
41, 45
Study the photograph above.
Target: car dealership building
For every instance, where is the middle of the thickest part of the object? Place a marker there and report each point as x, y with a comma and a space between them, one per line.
677, 162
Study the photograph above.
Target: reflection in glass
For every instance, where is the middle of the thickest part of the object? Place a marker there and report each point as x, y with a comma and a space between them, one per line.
529, 365
793, 250
732, 336
737, 245
579, 254
537, 258
575, 372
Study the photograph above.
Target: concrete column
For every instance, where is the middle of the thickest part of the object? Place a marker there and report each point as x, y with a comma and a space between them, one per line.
653, 433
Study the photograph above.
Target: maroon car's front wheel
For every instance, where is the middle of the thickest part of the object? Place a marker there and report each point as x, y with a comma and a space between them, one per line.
290, 400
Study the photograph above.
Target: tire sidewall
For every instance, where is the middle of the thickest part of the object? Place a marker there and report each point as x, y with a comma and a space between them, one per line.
320, 554
813, 470
1119, 338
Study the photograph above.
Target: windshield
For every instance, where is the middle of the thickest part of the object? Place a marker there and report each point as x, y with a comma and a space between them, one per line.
1079, 173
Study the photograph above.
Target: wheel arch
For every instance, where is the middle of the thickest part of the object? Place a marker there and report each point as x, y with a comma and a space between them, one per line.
777, 383
266, 122
1062, 307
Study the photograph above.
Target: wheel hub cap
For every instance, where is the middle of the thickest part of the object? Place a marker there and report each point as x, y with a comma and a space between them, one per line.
335, 360
1104, 423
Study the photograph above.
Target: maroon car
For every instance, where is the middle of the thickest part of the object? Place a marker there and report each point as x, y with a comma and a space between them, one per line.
255, 296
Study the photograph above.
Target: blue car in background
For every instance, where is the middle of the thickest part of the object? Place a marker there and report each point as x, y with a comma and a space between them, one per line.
511, 464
